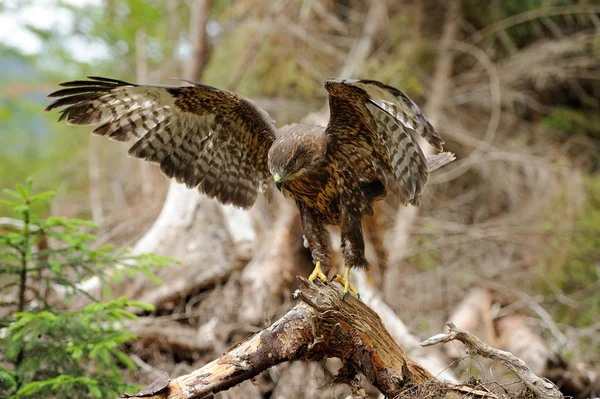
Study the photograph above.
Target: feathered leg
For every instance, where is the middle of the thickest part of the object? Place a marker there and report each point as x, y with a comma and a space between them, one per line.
374, 228
318, 241
353, 248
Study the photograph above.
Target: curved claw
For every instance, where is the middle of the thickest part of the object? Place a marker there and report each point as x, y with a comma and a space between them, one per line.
317, 273
345, 282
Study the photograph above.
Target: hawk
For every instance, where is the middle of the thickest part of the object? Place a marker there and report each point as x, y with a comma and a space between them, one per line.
230, 149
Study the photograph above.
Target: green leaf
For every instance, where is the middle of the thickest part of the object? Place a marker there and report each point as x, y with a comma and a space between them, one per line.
106, 291
82, 222
95, 391
21, 209
10, 204
77, 353
22, 191
13, 193
29, 184
143, 305
82, 343
42, 196
8, 380
126, 360
55, 221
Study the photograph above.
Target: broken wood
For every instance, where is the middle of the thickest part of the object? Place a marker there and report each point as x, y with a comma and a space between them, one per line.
327, 325
323, 325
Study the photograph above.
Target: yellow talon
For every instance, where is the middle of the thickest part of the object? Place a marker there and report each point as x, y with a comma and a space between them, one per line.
317, 273
345, 281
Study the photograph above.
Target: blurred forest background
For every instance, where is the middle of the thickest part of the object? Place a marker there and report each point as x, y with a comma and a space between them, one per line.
513, 226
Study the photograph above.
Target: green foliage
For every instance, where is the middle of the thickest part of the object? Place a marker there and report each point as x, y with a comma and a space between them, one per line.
578, 276
46, 351
80, 45
424, 254
574, 121
484, 13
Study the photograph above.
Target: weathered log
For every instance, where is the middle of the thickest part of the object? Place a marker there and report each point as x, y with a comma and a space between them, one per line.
325, 324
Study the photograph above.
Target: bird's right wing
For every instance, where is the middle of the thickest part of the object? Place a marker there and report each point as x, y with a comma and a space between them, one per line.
202, 136
375, 124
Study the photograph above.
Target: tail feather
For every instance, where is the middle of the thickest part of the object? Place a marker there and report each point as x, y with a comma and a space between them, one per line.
438, 160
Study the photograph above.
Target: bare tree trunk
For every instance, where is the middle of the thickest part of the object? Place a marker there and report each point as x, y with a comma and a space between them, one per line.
198, 20
273, 266
141, 77
172, 234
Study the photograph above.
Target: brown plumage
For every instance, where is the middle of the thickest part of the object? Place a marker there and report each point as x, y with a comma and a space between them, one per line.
230, 149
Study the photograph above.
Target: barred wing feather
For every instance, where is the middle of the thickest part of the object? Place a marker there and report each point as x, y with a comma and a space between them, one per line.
385, 123
204, 137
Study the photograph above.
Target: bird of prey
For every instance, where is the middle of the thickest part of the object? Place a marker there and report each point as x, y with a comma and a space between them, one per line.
230, 149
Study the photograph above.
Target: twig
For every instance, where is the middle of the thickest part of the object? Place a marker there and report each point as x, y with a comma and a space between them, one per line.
252, 50
540, 387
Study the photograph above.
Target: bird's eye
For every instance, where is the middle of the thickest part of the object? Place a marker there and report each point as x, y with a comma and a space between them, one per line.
292, 163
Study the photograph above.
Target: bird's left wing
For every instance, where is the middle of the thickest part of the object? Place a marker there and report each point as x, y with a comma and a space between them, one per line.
207, 138
375, 123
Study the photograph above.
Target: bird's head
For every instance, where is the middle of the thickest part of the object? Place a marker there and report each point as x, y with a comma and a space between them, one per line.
299, 150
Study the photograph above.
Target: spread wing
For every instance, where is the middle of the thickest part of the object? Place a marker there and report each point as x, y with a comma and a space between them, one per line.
202, 136
375, 126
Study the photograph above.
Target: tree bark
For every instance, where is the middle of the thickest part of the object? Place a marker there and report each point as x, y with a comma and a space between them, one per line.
198, 19
325, 324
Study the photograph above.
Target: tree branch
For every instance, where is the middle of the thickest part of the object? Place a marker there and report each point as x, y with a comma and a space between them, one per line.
327, 325
542, 388
323, 325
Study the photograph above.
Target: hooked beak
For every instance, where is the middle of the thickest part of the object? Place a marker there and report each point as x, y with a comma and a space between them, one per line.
278, 181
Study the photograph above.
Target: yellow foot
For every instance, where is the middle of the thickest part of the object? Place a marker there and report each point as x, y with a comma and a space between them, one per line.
317, 273
345, 281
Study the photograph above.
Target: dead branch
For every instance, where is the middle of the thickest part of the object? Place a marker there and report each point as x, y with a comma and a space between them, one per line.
517, 337
362, 48
542, 388
326, 325
322, 326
